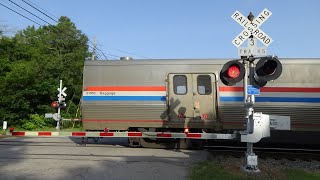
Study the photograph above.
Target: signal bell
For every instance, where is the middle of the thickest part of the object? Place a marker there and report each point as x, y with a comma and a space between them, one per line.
267, 69
232, 72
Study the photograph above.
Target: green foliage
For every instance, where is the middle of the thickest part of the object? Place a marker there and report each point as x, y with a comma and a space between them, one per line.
217, 170
31, 64
36, 122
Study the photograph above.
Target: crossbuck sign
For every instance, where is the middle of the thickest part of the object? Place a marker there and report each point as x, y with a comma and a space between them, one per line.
252, 28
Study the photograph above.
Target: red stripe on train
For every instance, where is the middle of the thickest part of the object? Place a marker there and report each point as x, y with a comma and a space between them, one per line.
120, 120
272, 89
125, 88
292, 124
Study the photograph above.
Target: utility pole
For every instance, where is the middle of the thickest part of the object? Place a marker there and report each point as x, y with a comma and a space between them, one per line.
94, 48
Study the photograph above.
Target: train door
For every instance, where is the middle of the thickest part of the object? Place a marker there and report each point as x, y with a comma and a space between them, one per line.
192, 96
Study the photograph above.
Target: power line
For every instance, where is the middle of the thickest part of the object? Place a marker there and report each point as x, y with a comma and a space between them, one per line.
130, 53
20, 14
88, 39
29, 12
33, 6
35, 21
40, 11
45, 20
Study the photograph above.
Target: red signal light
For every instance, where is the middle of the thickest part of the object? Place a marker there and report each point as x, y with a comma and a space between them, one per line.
204, 116
54, 104
233, 71
186, 130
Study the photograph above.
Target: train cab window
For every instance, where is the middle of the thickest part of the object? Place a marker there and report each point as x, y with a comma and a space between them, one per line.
204, 84
180, 84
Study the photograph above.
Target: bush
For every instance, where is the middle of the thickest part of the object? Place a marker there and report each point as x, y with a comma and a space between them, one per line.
36, 122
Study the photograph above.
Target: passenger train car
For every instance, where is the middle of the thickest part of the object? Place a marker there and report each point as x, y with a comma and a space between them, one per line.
171, 95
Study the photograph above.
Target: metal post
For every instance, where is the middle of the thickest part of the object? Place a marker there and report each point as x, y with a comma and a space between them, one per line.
59, 100
251, 160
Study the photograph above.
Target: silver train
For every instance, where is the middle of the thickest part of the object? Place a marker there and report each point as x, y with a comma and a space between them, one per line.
171, 95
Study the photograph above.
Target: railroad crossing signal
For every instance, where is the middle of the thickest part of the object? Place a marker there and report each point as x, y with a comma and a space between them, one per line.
232, 72
55, 104
268, 68
252, 28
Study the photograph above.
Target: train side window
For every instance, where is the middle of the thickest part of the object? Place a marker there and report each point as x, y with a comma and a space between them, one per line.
204, 84
180, 84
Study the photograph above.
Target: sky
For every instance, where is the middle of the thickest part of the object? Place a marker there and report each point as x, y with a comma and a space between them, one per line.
179, 29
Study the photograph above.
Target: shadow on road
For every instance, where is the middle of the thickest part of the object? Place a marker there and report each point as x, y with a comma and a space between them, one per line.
109, 158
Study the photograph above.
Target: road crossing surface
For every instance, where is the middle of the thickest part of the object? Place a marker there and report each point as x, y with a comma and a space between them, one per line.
65, 158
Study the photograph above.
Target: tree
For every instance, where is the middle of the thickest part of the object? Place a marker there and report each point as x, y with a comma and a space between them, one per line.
31, 65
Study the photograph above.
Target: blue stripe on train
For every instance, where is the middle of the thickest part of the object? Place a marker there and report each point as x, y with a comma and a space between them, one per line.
272, 99
124, 98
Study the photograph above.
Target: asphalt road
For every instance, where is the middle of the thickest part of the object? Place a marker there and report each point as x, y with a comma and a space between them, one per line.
63, 158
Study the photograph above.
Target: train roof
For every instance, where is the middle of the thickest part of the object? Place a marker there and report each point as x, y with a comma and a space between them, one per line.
188, 61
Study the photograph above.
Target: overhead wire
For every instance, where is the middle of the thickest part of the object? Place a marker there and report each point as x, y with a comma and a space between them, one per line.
130, 53
42, 9
20, 14
39, 10
29, 12
98, 49
36, 17
55, 20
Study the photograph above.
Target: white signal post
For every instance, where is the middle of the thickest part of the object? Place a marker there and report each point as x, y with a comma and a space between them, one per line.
251, 30
61, 98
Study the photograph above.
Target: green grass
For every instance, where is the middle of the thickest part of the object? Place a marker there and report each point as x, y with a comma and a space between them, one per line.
213, 170
301, 174
3, 132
